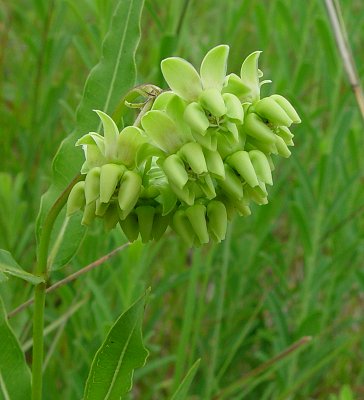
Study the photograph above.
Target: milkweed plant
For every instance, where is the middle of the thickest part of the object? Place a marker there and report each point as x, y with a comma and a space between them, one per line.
198, 153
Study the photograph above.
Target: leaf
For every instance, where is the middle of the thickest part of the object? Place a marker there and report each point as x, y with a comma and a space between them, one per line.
8, 266
14, 372
112, 368
108, 81
182, 390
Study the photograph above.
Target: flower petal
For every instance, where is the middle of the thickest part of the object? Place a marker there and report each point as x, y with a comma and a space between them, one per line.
182, 78
162, 130
213, 67
111, 133
250, 75
128, 142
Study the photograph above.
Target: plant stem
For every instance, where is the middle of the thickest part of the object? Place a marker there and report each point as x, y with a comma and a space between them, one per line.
40, 290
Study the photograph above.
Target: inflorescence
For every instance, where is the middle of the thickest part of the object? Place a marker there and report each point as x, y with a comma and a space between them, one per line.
202, 154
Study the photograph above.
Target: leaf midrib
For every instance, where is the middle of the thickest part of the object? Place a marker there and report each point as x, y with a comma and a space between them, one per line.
121, 358
108, 97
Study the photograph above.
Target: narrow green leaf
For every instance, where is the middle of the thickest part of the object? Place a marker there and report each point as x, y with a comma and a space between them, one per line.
14, 372
8, 266
182, 390
111, 372
108, 81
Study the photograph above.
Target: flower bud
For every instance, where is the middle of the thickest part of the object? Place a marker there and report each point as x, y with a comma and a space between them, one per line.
195, 117
197, 217
193, 155
269, 109
241, 163
212, 101
287, 107
92, 185
175, 171
89, 214
232, 184
145, 216
256, 128
76, 199
183, 227
261, 166
216, 220
130, 227
110, 175
130, 187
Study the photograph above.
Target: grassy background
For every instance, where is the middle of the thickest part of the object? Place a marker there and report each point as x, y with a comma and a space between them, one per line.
294, 268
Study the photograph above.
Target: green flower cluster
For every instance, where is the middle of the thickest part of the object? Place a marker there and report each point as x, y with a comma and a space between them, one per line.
202, 154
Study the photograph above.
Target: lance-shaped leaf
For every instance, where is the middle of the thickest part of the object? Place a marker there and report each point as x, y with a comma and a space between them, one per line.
182, 78
113, 76
112, 369
213, 67
14, 372
8, 266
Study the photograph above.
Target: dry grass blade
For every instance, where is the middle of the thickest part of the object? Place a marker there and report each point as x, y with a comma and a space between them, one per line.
261, 368
71, 278
337, 24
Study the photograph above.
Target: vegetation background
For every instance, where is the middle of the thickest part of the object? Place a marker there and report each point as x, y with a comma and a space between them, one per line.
292, 269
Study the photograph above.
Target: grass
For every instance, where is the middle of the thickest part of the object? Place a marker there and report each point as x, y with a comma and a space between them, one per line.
292, 269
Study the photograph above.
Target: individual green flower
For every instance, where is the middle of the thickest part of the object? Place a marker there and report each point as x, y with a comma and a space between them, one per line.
187, 165
207, 107
111, 173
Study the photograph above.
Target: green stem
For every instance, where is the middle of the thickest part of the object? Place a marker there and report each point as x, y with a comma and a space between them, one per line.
39, 294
